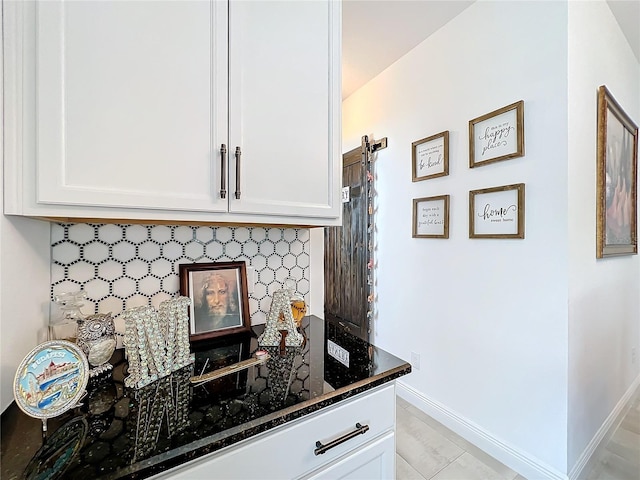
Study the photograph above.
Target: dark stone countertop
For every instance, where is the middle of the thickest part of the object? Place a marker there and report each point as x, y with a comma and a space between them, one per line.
123, 433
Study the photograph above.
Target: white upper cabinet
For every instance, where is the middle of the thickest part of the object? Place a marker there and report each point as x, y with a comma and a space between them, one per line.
130, 107
119, 110
281, 106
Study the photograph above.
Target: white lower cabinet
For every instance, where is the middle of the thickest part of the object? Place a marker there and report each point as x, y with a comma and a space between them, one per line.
287, 452
374, 461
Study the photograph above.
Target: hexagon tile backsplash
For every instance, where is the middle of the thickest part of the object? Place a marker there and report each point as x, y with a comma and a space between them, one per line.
125, 266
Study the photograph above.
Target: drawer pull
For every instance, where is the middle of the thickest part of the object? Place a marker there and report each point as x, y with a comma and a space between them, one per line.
223, 171
320, 448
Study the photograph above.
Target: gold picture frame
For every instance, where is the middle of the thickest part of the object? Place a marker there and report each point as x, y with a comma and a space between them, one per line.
430, 157
497, 135
497, 212
617, 173
431, 217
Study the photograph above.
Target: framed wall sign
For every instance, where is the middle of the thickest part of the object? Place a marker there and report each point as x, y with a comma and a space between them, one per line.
219, 298
431, 217
496, 136
617, 187
430, 157
497, 212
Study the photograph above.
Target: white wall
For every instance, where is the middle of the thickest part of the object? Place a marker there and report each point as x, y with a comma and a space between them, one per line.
487, 317
24, 294
604, 295
24, 283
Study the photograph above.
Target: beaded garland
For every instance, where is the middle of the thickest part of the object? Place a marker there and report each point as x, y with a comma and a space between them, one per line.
369, 147
156, 342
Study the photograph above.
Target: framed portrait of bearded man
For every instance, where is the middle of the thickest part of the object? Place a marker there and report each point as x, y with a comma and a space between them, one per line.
219, 298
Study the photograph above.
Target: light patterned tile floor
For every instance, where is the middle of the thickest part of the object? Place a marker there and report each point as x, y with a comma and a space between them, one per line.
427, 450
620, 457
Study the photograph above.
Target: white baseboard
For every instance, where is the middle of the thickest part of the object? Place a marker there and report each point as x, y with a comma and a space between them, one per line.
523, 463
605, 431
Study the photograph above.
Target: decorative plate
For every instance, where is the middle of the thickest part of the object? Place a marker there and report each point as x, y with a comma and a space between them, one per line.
51, 379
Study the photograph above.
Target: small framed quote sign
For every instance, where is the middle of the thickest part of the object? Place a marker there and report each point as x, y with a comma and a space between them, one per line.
431, 217
430, 157
497, 212
498, 135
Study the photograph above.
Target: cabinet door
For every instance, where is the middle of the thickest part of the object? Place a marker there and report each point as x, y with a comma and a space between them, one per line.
285, 107
370, 462
131, 103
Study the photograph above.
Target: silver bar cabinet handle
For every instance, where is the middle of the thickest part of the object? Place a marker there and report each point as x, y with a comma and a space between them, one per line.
223, 171
238, 153
360, 430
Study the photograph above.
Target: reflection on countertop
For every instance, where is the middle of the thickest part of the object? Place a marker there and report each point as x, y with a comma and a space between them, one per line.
123, 433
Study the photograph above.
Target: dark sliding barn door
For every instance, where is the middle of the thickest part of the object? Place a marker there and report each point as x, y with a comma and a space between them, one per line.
346, 254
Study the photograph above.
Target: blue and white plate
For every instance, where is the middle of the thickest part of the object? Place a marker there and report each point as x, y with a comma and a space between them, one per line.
51, 379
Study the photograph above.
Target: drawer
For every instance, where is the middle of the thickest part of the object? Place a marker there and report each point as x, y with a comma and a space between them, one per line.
374, 461
288, 451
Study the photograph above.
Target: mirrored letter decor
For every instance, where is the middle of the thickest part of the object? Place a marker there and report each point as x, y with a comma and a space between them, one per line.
156, 341
275, 328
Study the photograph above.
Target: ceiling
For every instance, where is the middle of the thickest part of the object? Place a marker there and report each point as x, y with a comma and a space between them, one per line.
376, 33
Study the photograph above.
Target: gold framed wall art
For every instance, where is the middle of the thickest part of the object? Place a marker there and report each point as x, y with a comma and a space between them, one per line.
617, 174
